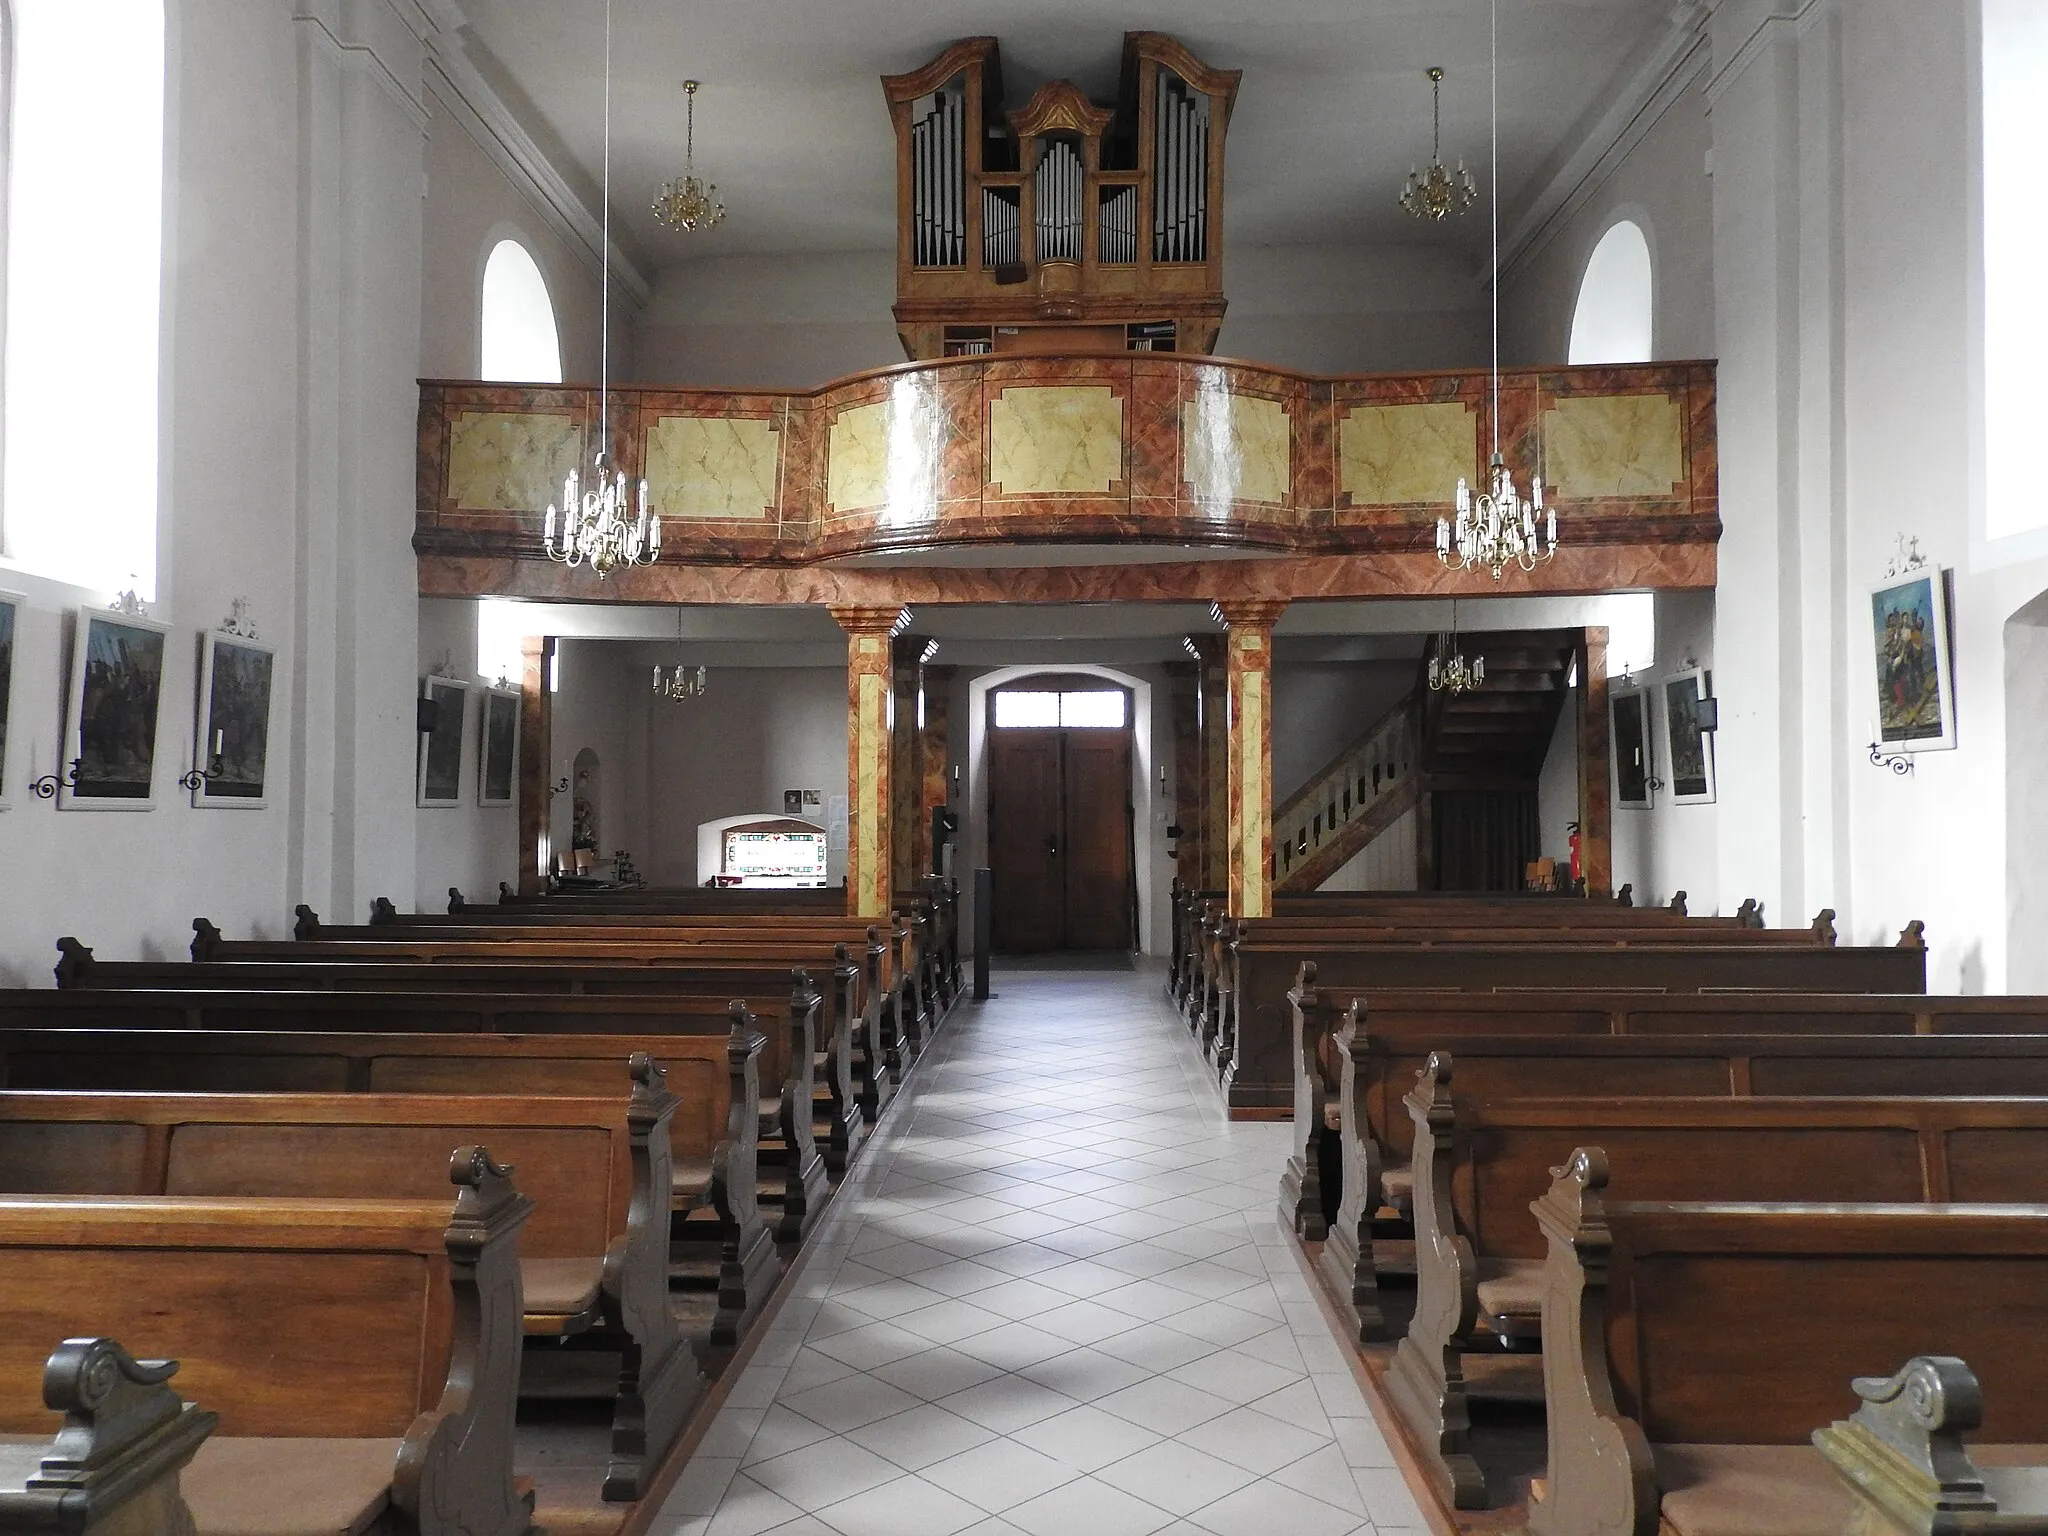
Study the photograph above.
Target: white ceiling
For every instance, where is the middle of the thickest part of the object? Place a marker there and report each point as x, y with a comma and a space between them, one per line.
1332, 111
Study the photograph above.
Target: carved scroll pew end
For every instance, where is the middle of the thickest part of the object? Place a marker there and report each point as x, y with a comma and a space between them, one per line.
114, 1465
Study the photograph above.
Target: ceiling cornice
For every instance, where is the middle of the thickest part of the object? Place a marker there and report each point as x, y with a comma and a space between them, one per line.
454, 79
1679, 56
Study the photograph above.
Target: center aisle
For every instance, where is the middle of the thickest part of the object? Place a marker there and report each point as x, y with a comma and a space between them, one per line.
1054, 1299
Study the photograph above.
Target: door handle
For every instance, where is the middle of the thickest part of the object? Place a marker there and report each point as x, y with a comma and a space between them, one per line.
1052, 848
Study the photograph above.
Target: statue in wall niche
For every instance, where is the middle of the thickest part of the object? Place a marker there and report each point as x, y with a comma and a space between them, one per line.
583, 824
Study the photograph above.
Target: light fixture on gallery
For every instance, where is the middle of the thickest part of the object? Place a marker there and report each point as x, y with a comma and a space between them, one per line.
1433, 193
1449, 672
687, 203
601, 527
678, 683
1497, 528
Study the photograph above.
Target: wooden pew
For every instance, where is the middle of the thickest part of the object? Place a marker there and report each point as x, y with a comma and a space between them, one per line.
1696, 1347
892, 1003
711, 1140
1405, 1026
789, 1065
1376, 1136
1258, 1055
1478, 1167
595, 1256
362, 1356
113, 1467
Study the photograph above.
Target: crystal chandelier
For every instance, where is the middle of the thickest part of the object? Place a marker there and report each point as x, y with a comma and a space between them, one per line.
688, 203
602, 527
1497, 528
1448, 670
678, 683
1433, 193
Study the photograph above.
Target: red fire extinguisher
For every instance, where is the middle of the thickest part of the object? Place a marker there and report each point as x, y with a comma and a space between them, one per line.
1573, 828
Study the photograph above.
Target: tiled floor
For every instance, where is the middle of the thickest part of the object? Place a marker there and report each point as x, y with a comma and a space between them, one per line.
1053, 1301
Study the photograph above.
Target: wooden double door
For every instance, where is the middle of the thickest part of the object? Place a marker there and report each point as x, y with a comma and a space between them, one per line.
1059, 831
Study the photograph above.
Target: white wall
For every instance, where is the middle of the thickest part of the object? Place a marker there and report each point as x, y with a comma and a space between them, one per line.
1557, 786
467, 845
603, 694
1320, 708
1353, 309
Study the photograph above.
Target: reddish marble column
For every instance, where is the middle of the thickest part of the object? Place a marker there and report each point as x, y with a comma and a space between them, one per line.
1248, 668
1213, 873
536, 754
869, 750
1596, 848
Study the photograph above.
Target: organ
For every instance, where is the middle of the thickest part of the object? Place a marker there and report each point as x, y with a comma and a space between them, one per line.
1062, 225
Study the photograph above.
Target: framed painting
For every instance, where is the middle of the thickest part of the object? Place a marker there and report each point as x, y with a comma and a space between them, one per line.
1634, 768
1690, 750
117, 681
440, 761
497, 756
232, 745
11, 606
1915, 673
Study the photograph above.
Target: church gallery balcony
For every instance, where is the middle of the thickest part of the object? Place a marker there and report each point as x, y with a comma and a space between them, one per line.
1079, 460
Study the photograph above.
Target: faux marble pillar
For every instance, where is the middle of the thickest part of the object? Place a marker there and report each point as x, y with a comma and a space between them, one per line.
536, 752
935, 756
1185, 683
1248, 675
1213, 874
910, 833
1596, 817
869, 753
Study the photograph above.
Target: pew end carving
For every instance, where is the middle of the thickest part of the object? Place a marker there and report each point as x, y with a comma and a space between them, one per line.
748, 1263
1903, 1449
305, 923
1602, 1478
1347, 1258
1913, 935
206, 940
114, 1464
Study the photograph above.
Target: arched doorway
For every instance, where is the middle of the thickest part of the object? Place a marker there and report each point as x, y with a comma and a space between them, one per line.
1061, 837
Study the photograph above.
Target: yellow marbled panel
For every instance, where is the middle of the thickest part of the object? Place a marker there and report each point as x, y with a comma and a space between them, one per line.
510, 461
857, 458
1389, 455
713, 468
1236, 447
872, 748
1055, 440
1614, 445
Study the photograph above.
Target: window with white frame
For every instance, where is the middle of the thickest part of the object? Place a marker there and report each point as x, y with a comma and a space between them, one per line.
2015, 200
1076, 709
1614, 319
520, 344
84, 275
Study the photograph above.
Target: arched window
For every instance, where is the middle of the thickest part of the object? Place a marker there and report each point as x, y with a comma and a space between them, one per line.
520, 343
85, 179
1612, 323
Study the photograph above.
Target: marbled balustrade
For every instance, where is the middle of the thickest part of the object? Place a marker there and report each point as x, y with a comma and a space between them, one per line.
1176, 450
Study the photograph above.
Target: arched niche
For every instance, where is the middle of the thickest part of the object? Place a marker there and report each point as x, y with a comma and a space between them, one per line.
518, 341
1614, 320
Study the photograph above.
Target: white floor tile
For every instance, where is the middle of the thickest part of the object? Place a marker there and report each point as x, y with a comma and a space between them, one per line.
1091, 1506
919, 1436
1175, 1478
1000, 1474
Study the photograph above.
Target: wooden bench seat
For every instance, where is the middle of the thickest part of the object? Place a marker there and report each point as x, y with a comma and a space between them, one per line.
714, 1148
1404, 1026
363, 1354
1253, 1047
594, 1256
1695, 1348
1377, 1129
1479, 1167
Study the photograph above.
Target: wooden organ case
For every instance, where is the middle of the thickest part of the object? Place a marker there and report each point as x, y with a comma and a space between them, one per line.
1063, 226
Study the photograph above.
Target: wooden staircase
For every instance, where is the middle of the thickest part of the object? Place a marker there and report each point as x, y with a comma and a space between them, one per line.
1471, 761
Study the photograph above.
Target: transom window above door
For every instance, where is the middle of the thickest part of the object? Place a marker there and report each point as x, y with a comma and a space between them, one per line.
1086, 709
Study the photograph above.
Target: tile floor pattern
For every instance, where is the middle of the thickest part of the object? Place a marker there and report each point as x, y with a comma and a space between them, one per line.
1053, 1301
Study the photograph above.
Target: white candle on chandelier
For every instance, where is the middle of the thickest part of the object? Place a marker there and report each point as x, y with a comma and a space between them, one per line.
547, 527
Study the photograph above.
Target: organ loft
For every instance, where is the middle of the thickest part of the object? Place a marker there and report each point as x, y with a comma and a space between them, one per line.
1063, 225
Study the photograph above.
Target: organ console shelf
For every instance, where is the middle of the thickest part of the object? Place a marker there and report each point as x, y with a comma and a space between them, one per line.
1063, 226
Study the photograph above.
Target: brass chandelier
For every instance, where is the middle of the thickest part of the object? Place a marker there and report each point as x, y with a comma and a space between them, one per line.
601, 527
679, 683
1497, 528
1449, 672
687, 203
1433, 193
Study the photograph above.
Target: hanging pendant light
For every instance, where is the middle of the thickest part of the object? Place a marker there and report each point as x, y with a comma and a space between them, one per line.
1497, 528
687, 203
1433, 193
602, 527
1449, 672
680, 683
